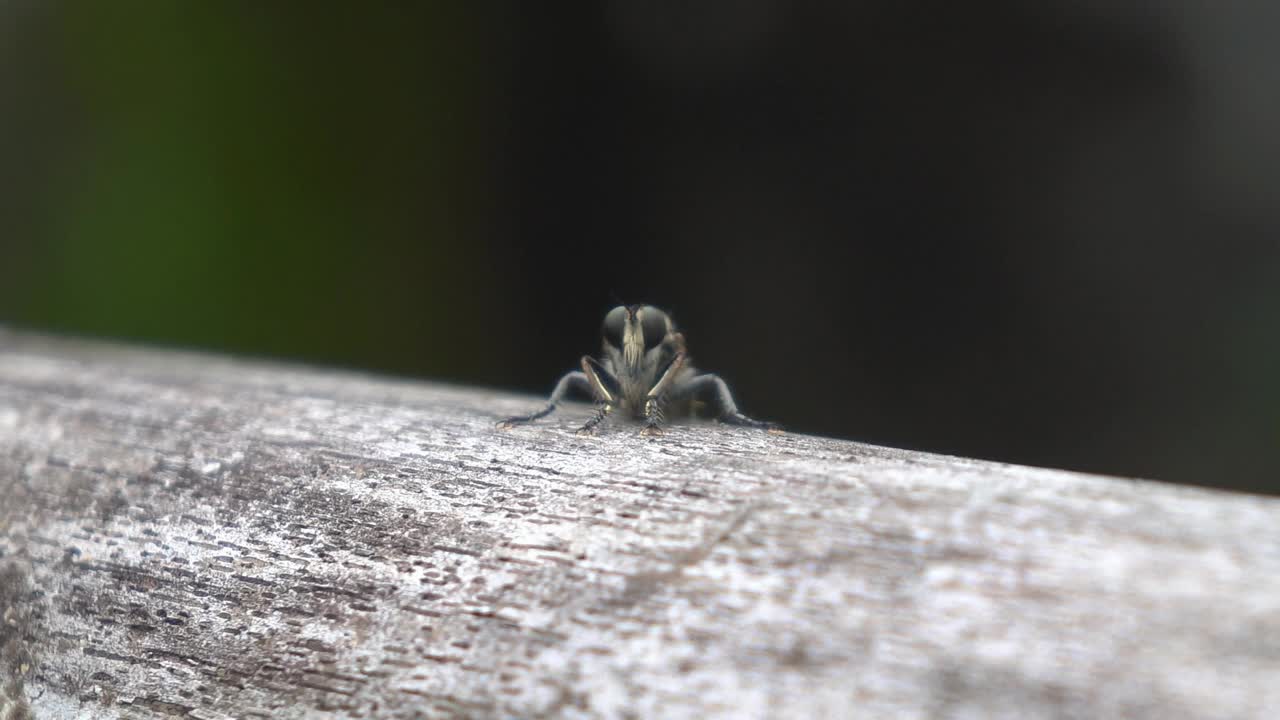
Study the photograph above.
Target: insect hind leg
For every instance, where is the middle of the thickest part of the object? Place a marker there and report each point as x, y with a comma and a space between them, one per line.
726, 409
575, 380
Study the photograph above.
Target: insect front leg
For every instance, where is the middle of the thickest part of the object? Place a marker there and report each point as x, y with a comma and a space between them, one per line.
606, 390
726, 409
574, 380
602, 411
653, 416
656, 398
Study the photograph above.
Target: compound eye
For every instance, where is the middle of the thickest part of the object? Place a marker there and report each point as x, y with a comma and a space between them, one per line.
615, 323
654, 323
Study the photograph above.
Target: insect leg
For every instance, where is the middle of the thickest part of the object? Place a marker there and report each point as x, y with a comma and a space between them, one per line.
571, 380
656, 397
604, 386
606, 389
727, 409
602, 411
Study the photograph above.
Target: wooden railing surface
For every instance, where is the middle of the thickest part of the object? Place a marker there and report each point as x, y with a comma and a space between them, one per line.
195, 536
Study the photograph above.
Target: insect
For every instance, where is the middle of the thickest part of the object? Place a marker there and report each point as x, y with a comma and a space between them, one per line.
644, 370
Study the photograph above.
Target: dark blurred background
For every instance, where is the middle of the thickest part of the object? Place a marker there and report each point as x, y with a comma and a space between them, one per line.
1041, 231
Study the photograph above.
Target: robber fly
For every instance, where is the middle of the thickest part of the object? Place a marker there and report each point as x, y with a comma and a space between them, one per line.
645, 372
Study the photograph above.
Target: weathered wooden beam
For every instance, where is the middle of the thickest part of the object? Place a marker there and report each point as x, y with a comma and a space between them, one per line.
206, 537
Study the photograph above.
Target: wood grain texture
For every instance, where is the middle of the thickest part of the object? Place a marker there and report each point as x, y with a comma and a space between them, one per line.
193, 536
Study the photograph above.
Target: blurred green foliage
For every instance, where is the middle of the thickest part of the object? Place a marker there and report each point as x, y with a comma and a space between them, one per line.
251, 176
